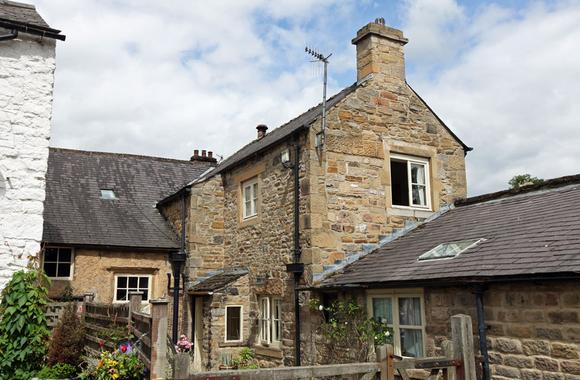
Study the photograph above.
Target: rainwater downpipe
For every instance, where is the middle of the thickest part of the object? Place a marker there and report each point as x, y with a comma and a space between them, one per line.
297, 253
482, 329
178, 260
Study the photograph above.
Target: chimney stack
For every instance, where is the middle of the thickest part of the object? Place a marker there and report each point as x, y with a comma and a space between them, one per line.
206, 156
379, 51
262, 128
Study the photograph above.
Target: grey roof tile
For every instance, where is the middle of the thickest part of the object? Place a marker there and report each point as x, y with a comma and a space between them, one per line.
533, 231
21, 13
75, 214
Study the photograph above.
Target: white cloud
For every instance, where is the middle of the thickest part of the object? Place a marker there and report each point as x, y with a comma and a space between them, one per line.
513, 94
167, 77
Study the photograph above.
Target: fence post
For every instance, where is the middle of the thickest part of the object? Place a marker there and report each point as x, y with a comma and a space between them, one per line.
390, 365
449, 354
381, 352
462, 336
158, 338
135, 299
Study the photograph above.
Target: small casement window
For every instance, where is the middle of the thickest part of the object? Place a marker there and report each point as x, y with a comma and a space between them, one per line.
58, 263
270, 320
410, 181
250, 198
124, 284
233, 323
404, 314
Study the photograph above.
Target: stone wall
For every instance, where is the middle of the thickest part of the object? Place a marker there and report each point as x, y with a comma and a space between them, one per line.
264, 244
350, 180
104, 264
218, 351
533, 328
26, 81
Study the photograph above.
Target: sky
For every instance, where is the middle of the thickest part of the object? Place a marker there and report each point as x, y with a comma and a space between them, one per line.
166, 77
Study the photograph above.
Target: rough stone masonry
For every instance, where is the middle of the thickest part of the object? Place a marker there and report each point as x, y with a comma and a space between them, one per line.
27, 67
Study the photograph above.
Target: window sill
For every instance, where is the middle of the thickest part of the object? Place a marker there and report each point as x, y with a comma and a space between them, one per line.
269, 351
417, 212
238, 343
251, 221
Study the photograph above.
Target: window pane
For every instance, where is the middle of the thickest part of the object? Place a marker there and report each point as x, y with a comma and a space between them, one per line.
383, 310
248, 209
255, 191
64, 255
121, 282
247, 195
51, 254
411, 343
233, 323
410, 311
133, 282
50, 269
121, 295
418, 173
145, 294
399, 183
143, 282
419, 195
63, 270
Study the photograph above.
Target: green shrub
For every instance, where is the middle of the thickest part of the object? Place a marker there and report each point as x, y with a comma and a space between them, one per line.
66, 345
23, 327
57, 371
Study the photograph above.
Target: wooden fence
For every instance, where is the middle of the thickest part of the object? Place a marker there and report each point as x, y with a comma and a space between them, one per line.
457, 364
108, 324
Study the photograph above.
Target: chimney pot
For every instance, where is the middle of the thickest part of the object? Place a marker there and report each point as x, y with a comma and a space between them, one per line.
210, 154
203, 153
196, 153
262, 128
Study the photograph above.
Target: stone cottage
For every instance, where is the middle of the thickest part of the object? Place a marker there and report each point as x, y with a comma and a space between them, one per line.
27, 64
102, 233
308, 195
510, 259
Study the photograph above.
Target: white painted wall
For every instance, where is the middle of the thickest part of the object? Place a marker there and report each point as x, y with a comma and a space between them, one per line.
26, 81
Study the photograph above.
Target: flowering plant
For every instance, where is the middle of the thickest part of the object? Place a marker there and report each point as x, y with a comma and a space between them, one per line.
183, 344
121, 364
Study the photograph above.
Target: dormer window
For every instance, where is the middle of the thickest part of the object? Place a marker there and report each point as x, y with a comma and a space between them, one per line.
410, 181
108, 194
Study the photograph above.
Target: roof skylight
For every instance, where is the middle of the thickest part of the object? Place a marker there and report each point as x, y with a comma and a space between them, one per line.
108, 194
449, 250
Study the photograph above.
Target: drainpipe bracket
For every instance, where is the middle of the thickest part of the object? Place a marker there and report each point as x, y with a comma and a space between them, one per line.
295, 268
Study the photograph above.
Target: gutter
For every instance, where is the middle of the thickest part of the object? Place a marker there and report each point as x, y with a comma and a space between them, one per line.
32, 29
9, 36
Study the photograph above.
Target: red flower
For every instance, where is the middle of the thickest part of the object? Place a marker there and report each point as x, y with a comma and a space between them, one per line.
123, 348
101, 343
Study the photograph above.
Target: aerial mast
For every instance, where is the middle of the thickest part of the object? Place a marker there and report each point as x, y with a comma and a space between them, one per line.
319, 57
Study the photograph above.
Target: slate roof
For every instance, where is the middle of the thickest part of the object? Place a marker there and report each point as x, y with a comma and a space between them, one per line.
280, 133
218, 280
532, 232
75, 214
25, 18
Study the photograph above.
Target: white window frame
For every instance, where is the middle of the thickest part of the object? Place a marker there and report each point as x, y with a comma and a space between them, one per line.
241, 324
249, 184
419, 161
394, 295
267, 322
149, 290
72, 262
